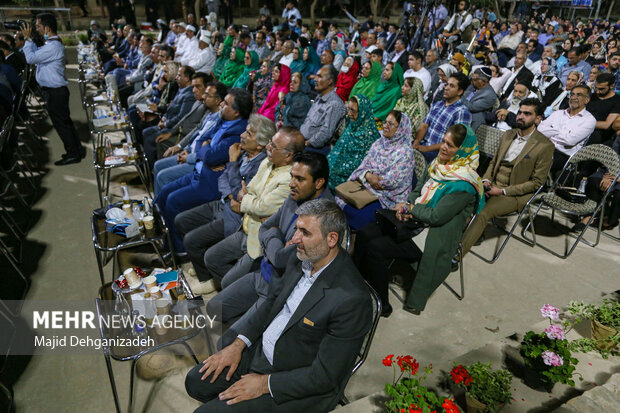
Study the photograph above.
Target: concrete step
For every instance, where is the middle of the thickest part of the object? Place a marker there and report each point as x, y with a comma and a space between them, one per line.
605, 398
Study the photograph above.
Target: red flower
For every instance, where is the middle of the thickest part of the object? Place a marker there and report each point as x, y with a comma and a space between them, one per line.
450, 406
415, 409
460, 375
387, 361
408, 363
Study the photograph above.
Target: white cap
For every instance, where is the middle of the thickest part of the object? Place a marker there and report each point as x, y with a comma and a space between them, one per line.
205, 36
182, 24
371, 49
190, 27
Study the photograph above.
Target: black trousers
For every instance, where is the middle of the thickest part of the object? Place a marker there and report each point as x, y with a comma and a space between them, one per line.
57, 103
373, 253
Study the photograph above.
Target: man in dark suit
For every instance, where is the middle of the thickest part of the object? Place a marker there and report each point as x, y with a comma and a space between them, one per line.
298, 348
12, 56
400, 54
519, 72
480, 97
517, 170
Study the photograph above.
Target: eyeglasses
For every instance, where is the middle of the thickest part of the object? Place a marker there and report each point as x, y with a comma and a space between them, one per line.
274, 148
579, 95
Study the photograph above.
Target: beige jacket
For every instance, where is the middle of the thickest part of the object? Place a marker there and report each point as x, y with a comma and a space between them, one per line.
267, 191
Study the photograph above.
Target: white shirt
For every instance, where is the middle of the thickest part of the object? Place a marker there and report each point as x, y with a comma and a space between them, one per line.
190, 48
423, 74
441, 13
513, 74
287, 59
568, 132
203, 61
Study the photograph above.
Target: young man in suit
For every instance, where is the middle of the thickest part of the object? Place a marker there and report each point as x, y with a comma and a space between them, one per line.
298, 348
517, 170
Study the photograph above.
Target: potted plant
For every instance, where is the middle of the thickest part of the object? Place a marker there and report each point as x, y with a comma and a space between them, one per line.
407, 391
486, 390
548, 354
605, 325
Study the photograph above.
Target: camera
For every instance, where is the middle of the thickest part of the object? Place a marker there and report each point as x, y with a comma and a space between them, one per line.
13, 24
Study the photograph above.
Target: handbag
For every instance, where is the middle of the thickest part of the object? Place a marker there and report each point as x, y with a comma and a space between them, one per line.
571, 195
399, 231
355, 194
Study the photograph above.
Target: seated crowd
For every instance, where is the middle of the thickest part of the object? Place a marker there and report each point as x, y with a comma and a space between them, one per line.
254, 135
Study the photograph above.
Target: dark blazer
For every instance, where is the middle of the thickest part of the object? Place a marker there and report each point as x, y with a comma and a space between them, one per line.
318, 347
524, 75
17, 60
530, 167
403, 61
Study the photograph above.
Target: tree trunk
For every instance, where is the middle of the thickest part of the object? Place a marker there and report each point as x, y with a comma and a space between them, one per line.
511, 10
497, 12
184, 8
312, 11
611, 7
63, 19
196, 11
374, 6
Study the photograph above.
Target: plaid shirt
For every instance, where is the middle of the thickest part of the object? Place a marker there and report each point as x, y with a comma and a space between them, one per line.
441, 117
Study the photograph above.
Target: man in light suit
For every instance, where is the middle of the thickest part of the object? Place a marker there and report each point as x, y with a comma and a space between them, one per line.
298, 348
517, 170
480, 97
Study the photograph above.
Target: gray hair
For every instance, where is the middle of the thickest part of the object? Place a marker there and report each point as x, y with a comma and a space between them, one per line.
332, 73
263, 127
331, 217
382, 41
554, 49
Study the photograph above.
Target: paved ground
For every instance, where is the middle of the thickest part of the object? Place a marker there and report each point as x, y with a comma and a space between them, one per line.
501, 299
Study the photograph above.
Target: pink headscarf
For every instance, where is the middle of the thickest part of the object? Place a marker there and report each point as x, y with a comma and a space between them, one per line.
283, 85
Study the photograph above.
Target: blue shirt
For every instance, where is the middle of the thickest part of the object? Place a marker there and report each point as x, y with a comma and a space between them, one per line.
583, 67
50, 61
441, 117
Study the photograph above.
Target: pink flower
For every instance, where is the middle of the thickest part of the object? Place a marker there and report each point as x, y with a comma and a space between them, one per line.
555, 332
550, 312
552, 359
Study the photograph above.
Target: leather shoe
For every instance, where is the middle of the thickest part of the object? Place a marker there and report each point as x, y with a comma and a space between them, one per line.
386, 310
412, 310
67, 161
82, 152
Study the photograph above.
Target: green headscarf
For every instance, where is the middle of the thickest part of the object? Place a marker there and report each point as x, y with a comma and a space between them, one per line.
299, 65
413, 104
313, 64
221, 61
368, 85
457, 175
244, 79
233, 68
354, 143
388, 93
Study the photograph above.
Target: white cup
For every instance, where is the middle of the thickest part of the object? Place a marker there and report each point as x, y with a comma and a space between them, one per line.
150, 282
148, 222
131, 276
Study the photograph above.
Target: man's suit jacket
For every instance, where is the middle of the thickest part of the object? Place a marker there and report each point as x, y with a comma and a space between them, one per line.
191, 119
17, 60
524, 74
314, 355
403, 61
137, 76
482, 101
530, 167
180, 105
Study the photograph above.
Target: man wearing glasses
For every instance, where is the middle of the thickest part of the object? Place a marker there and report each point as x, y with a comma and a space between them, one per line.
569, 128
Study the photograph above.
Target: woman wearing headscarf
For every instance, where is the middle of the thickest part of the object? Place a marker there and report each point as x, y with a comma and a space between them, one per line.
444, 72
292, 111
313, 61
370, 80
412, 102
347, 78
353, 144
597, 54
561, 101
594, 72
223, 56
281, 75
251, 63
389, 91
298, 64
449, 192
386, 171
547, 82
234, 67
337, 46
260, 83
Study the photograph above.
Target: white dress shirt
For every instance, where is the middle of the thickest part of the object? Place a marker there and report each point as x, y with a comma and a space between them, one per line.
568, 132
423, 74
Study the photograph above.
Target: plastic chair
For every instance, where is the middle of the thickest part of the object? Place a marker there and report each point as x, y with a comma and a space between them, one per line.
598, 153
365, 349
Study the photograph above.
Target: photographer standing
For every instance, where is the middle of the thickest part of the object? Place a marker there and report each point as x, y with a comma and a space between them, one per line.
50, 61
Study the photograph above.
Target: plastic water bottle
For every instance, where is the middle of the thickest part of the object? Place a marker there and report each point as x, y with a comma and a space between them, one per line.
125, 192
582, 185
